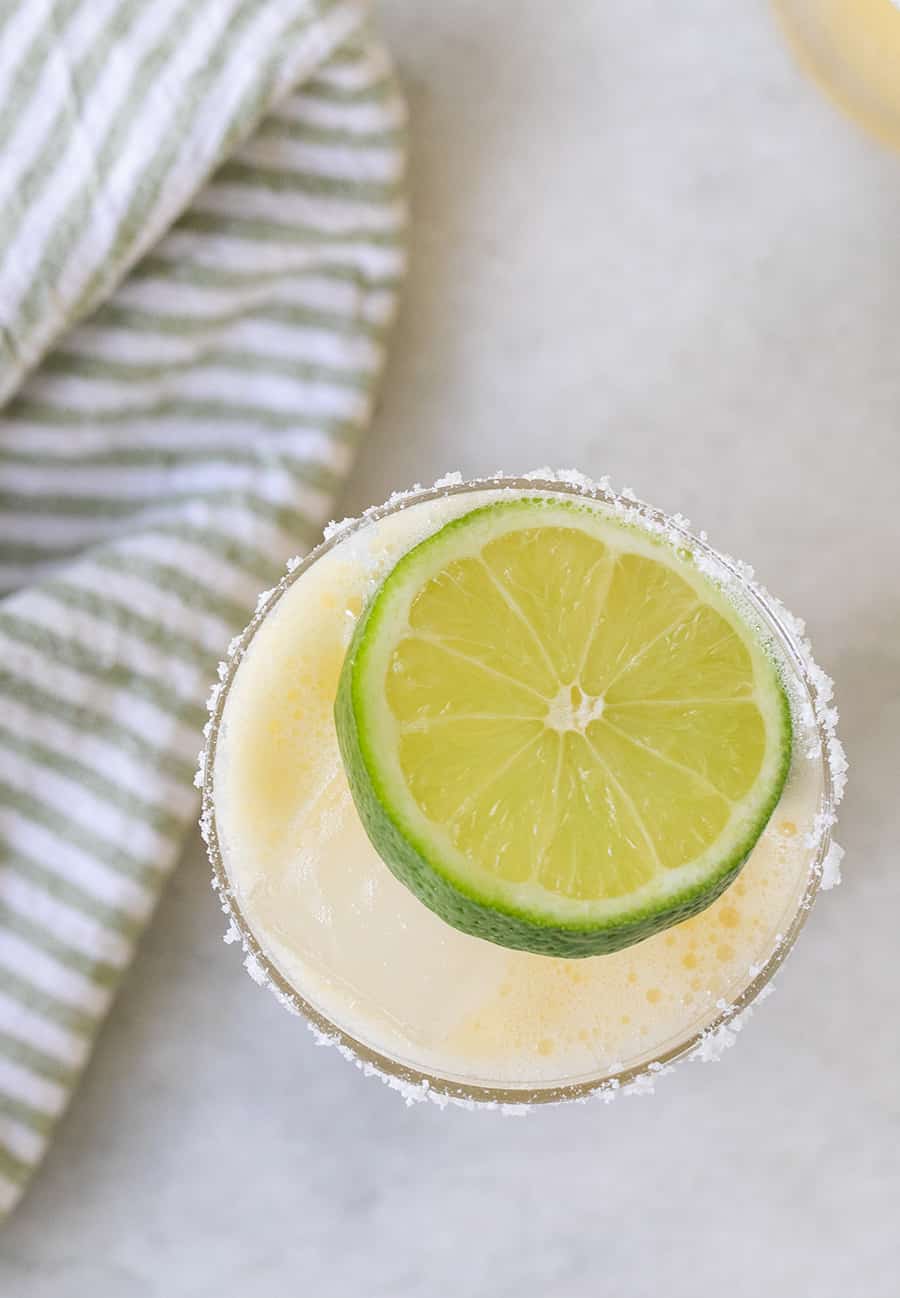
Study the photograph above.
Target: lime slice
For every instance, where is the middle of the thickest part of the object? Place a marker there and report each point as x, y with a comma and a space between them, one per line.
558, 732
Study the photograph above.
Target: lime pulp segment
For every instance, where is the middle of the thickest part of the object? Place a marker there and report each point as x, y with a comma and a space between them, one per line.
558, 732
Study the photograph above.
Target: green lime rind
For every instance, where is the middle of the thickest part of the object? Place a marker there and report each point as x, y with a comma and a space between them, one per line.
416, 864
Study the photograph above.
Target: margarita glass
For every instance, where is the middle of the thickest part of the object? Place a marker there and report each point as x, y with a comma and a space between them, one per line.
436, 1012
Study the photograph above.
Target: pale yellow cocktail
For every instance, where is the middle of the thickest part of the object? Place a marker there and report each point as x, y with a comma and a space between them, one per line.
328, 924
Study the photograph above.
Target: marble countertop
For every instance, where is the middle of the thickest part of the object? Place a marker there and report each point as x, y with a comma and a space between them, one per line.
644, 246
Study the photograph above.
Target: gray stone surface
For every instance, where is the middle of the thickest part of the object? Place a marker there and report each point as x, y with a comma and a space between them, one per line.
644, 246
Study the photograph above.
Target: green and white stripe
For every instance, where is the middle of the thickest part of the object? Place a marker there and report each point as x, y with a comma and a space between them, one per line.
202, 223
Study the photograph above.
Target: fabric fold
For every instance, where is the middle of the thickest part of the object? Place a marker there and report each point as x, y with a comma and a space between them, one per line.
203, 234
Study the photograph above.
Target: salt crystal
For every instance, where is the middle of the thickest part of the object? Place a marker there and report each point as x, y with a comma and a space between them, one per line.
286, 1002
206, 825
255, 969
838, 761
643, 1084
831, 867
712, 1045
334, 527
574, 478
823, 822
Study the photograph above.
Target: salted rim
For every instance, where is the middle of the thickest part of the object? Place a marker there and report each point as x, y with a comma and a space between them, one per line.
820, 716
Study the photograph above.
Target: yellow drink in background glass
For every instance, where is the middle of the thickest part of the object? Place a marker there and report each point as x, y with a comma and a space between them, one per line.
852, 49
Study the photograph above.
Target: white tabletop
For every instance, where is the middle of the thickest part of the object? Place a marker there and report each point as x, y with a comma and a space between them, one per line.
643, 246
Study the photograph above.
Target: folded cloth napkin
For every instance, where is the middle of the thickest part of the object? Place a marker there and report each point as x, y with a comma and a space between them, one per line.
201, 225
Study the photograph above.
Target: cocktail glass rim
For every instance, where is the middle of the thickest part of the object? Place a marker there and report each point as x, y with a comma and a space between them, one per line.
506, 1093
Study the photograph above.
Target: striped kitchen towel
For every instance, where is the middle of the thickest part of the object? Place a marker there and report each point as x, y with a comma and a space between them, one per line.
201, 239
